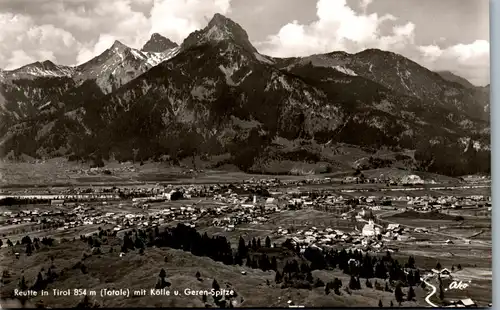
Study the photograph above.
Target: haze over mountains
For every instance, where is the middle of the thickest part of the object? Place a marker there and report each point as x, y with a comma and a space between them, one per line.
215, 94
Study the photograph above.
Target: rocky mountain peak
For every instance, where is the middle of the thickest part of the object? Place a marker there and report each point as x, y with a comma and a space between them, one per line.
220, 28
158, 43
118, 46
39, 69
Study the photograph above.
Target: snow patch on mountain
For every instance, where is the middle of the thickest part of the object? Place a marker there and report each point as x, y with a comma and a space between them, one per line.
119, 65
153, 59
344, 70
228, 73
37, 69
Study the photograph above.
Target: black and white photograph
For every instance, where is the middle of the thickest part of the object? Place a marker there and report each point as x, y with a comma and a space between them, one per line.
245, 154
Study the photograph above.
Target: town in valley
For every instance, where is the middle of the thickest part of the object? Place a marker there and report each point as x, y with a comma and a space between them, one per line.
285, 241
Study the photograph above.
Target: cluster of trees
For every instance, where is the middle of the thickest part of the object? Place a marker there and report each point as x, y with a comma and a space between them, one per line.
180, 237
354, 263
31, 245
218, 248
297, 276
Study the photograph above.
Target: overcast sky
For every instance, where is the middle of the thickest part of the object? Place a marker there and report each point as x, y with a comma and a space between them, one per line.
439, 34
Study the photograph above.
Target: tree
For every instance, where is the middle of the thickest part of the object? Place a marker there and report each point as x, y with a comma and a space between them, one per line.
353, 284
411, 262
39, 283
368, 284
268, 242
337, 284
26, 240
398, 293
438, 266
274, 263
381, 270
29, 249
9, 243
392, 305
278, 277
162, 281
163, 274
22, 284
139, 244
380, 303
411, 294
242, 248
215, 285
198, 275
387, 288
441, 292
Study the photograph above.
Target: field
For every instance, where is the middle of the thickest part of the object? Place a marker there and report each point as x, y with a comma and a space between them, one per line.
108, 270
59, 172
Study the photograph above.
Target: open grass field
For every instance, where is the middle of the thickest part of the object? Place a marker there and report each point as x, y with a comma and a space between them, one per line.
61, 172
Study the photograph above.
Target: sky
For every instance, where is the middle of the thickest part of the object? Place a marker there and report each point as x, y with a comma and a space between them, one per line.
448, 35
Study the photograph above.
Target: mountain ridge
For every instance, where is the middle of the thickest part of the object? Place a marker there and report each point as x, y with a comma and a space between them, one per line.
452, 77
216, 94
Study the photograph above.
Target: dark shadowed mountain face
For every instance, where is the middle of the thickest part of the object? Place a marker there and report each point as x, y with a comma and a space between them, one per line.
216, 94
451, 77
157, 44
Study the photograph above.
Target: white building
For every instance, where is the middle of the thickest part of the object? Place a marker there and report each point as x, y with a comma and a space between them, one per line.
368, 229
412, 179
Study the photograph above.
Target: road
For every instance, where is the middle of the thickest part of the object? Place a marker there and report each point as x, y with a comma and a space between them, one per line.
434, 290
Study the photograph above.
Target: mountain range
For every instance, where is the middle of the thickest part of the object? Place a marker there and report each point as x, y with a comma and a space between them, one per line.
216, 94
